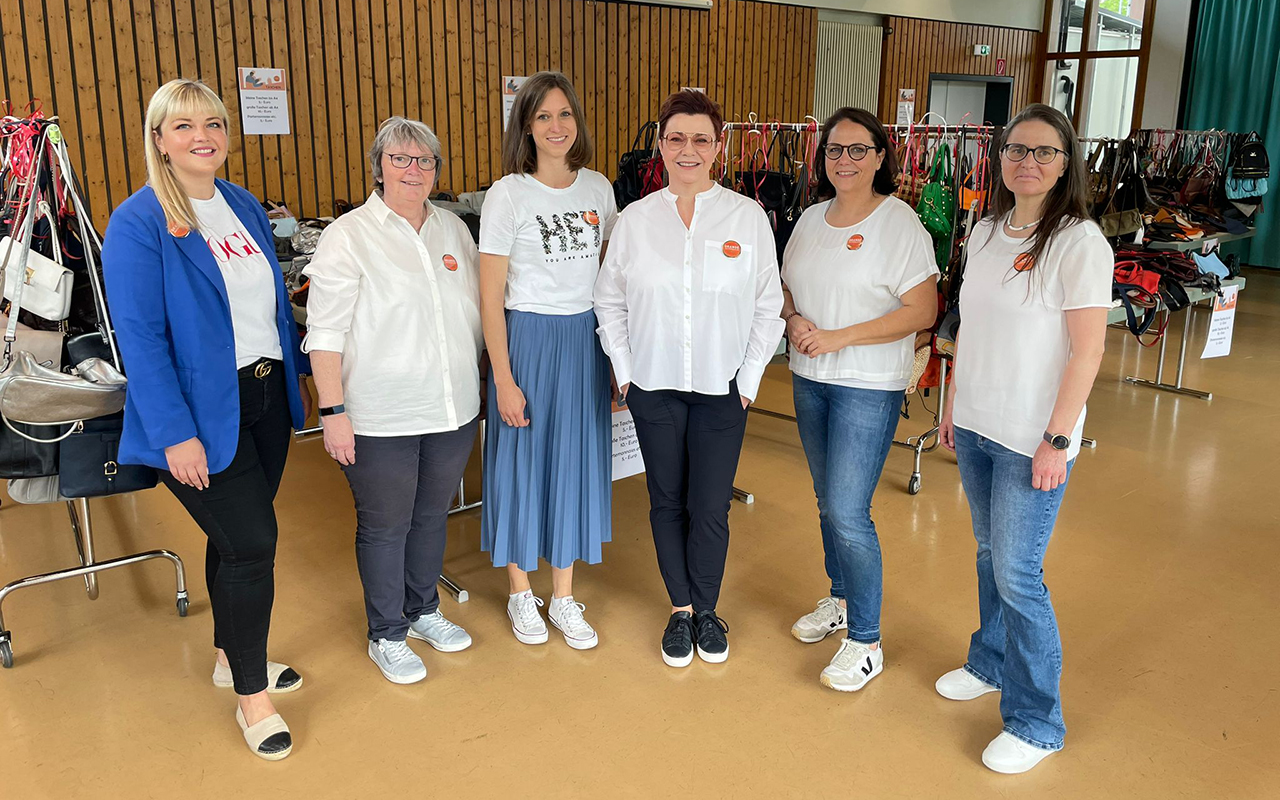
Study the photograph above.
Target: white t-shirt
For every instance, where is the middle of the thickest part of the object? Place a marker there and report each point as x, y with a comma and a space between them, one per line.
553, 238
1013, 344
250, 279
845, 276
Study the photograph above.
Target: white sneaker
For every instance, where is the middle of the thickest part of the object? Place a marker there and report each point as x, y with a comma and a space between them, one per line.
396, 661
566, 615
820, 623
960, 684
439, 632
1010, 755
526, 622
853, 667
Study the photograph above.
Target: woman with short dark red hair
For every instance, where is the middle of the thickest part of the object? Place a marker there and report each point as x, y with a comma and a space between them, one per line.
688, 302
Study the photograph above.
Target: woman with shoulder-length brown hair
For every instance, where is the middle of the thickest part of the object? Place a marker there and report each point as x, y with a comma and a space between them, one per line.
547, 463
1037, 289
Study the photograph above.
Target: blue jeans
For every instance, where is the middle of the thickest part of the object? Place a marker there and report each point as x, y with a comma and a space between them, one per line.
846, 434
1016, 647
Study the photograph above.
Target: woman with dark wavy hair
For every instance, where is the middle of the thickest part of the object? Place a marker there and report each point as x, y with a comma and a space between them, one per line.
859, 282
1037, 289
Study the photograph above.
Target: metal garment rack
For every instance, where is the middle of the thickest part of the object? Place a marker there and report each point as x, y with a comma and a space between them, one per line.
82, 528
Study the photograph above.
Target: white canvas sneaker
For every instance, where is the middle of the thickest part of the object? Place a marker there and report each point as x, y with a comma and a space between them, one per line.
1010, 755
959, 684
820, 623
566, 615
526, 622
853, 666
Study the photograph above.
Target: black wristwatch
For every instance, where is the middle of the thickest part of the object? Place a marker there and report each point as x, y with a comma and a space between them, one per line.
329, 411
1056, 440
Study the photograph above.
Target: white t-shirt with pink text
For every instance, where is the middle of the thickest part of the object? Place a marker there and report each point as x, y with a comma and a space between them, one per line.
251, 284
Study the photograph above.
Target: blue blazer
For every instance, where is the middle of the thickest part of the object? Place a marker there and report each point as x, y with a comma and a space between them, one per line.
169, 306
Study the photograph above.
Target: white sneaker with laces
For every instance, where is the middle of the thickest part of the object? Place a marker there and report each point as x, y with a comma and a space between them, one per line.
1010, 755
439, 632
396, 661
526, 622
853, 666
820, 623
960, 684
566, 615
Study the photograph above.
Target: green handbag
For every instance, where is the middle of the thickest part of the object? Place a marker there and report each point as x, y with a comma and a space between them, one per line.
937, 207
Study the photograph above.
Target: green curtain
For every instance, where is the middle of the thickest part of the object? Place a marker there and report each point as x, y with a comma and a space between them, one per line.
1235, 86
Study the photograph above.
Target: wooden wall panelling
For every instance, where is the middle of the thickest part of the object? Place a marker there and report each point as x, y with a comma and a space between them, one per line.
352, 63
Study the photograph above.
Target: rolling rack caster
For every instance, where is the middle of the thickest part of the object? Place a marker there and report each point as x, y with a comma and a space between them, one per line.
82, 529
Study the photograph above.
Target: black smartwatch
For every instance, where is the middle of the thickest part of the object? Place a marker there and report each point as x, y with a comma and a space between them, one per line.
329, 411
1056, 441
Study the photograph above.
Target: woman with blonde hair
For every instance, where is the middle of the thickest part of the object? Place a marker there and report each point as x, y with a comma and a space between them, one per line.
215, 377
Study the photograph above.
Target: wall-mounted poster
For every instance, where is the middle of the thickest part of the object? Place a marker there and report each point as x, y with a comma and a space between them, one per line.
264, 100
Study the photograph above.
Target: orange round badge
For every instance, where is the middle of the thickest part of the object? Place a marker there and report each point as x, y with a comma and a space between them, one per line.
451, 263
1023, 263
732, 249
591, 217
855, 241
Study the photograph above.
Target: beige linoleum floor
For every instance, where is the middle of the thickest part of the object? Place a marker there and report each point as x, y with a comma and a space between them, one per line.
1163, 571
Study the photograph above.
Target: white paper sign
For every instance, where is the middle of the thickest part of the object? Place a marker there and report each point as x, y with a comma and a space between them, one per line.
1218, 343
906, 106
627, 460
264, 101
510, 85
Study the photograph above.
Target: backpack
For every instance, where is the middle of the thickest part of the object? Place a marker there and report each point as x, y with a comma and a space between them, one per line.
1248, 171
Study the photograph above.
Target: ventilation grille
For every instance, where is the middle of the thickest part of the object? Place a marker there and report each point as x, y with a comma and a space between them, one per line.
848, 67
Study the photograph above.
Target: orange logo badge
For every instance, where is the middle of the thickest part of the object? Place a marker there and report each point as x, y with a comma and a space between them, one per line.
1023, 263
855, 242
732, 249
451, 263
591, 217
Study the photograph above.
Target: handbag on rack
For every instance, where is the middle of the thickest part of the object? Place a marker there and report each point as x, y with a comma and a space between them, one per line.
636, 167
34, 491
38, 395
47, 290
1122, 214
937, 207
1249, 169
88, 464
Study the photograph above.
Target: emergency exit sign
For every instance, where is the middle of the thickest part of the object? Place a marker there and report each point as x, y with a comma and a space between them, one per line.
982, 49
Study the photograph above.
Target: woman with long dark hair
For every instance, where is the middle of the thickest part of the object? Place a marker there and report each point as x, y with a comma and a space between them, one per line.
858, 282
1033, 306
547, 490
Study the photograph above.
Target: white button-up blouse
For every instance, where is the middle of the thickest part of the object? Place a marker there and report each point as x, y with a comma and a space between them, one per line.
691, 308
403, 309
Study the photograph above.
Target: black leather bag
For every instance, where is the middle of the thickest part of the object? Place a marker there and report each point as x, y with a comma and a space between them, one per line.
23, 458
88, 463
636, 168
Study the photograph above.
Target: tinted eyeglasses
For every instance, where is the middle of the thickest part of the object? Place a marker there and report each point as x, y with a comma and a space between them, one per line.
1044, 154
425, 163
701, 141
857, 152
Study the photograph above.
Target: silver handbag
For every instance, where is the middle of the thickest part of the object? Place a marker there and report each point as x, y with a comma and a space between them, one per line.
37, 395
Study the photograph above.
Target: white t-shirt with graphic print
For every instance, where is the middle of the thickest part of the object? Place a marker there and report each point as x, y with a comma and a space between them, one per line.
553, 238
250, 279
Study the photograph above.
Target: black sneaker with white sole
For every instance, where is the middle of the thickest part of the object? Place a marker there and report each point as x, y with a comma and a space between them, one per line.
710, 630
677, 640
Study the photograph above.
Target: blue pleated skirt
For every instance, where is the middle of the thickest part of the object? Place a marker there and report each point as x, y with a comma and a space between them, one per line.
548, 486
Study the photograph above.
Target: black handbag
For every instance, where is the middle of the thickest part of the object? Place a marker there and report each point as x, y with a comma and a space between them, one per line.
88, 464
22, 458
636, 168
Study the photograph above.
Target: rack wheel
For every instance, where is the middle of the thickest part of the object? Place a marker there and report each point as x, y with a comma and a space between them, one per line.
913, 486
6, 655
183, 605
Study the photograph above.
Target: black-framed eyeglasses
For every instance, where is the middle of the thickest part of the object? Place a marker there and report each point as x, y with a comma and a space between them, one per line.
701, 141
425, 163
1044, 154
857, 152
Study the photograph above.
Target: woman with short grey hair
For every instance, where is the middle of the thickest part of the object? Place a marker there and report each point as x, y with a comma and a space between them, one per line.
393, 329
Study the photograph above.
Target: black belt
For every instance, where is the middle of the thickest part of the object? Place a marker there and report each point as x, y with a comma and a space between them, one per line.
260, 369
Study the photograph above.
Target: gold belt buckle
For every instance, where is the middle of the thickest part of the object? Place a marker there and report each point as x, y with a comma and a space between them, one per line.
262, 370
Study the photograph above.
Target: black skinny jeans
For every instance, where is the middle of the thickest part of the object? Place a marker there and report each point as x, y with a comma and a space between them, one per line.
237, 515
690, 443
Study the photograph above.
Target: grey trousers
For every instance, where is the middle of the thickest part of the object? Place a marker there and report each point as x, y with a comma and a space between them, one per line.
403, 487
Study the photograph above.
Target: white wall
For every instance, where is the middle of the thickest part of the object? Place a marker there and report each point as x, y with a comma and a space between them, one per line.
1008, 13
1168, 59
